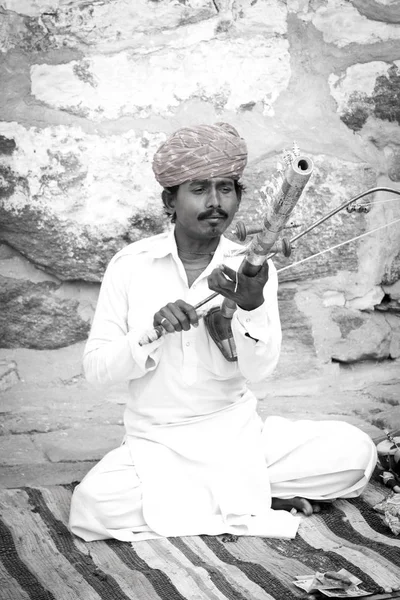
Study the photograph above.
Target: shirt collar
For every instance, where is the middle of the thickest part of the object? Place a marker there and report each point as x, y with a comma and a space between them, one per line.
166, 244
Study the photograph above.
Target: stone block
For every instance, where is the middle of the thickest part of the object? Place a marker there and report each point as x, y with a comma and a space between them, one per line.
298, 358
342, 24
267, 16
142, 84
19, 450
32, 316
393, 321
15, 266
388, 393
368, 300
391, 275
384, 10
43, 474
365, 336
45, 367
367, 90
72, 200
392, 154
393, 291
388, 419
333, 298
40, 25
8, 374
80, 444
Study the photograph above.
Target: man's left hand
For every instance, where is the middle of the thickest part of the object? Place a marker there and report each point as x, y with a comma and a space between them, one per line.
246, 291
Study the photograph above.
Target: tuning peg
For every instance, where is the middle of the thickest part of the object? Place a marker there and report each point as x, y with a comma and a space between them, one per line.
282, 246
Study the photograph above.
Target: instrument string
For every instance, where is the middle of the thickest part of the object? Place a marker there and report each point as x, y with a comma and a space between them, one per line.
373, 202
357, 237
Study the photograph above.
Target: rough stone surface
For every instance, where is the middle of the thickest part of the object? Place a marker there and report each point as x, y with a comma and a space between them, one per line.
15, 450
363, 336
47, 25
37, 409
138, 84
393, 156
37, 369
74, 200
393, 321
342, 24
90, 89
388, 419
379, 10
33, 316
392, 269
392, 291
367, 90
298, 350
8, 374
372, 298
69, 445
44, 474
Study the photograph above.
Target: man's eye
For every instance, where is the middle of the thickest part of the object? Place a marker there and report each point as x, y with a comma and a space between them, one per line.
227, 189
198, 190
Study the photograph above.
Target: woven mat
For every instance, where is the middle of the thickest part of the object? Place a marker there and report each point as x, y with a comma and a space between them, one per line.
41, 560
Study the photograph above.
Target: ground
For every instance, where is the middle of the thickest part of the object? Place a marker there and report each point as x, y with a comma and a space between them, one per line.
55, 427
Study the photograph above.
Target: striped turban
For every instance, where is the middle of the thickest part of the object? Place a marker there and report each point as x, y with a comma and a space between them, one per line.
200, 152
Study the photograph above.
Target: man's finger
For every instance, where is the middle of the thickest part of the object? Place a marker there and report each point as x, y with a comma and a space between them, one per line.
166, 319
264, 272
179, 313
190, 312
231, 273
218, 281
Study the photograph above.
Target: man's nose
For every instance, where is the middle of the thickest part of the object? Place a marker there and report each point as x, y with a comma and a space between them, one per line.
213, 196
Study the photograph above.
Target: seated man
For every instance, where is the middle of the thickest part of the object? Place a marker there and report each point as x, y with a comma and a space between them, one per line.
196, 458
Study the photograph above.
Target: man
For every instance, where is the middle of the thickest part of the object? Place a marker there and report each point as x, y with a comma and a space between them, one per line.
196, 458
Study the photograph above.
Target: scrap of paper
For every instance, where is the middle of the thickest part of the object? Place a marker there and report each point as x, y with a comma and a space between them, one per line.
334, 584
390, 509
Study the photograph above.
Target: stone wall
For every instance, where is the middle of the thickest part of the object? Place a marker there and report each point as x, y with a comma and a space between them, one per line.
90, 88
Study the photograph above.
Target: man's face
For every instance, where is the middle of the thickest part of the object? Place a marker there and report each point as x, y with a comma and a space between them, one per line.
204, 209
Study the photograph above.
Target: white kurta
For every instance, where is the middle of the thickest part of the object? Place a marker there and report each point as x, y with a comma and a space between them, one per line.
196, 459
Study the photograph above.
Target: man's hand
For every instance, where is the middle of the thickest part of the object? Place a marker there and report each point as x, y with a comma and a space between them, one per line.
176, 316
246, 291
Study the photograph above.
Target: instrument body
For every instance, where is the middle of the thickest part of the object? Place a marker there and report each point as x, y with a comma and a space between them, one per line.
292, 183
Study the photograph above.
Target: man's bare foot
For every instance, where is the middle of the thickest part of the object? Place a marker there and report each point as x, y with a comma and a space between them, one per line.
297, 504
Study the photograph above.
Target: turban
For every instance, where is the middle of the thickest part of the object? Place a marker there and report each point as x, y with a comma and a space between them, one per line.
200, 152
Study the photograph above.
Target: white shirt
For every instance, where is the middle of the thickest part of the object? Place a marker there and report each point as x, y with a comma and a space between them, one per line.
191, 421
182, 374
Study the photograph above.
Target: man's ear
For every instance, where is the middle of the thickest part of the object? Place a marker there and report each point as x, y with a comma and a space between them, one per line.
168, 199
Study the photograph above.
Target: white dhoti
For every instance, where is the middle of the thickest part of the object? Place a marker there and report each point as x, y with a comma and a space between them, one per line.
317, 460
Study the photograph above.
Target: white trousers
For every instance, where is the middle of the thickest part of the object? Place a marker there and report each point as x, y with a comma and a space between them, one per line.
318, 460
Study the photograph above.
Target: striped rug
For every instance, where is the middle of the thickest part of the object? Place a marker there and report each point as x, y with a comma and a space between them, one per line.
41, 560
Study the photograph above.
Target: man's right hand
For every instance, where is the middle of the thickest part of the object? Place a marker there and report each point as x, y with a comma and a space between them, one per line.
176, 316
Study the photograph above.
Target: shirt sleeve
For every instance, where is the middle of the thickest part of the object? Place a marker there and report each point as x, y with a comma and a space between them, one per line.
258, 334
112, 353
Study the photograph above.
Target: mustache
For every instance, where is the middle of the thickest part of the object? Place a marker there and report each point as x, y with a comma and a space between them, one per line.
212, 212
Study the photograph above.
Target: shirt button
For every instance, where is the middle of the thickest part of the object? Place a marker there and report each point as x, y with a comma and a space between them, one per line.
187, 343
248, 320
